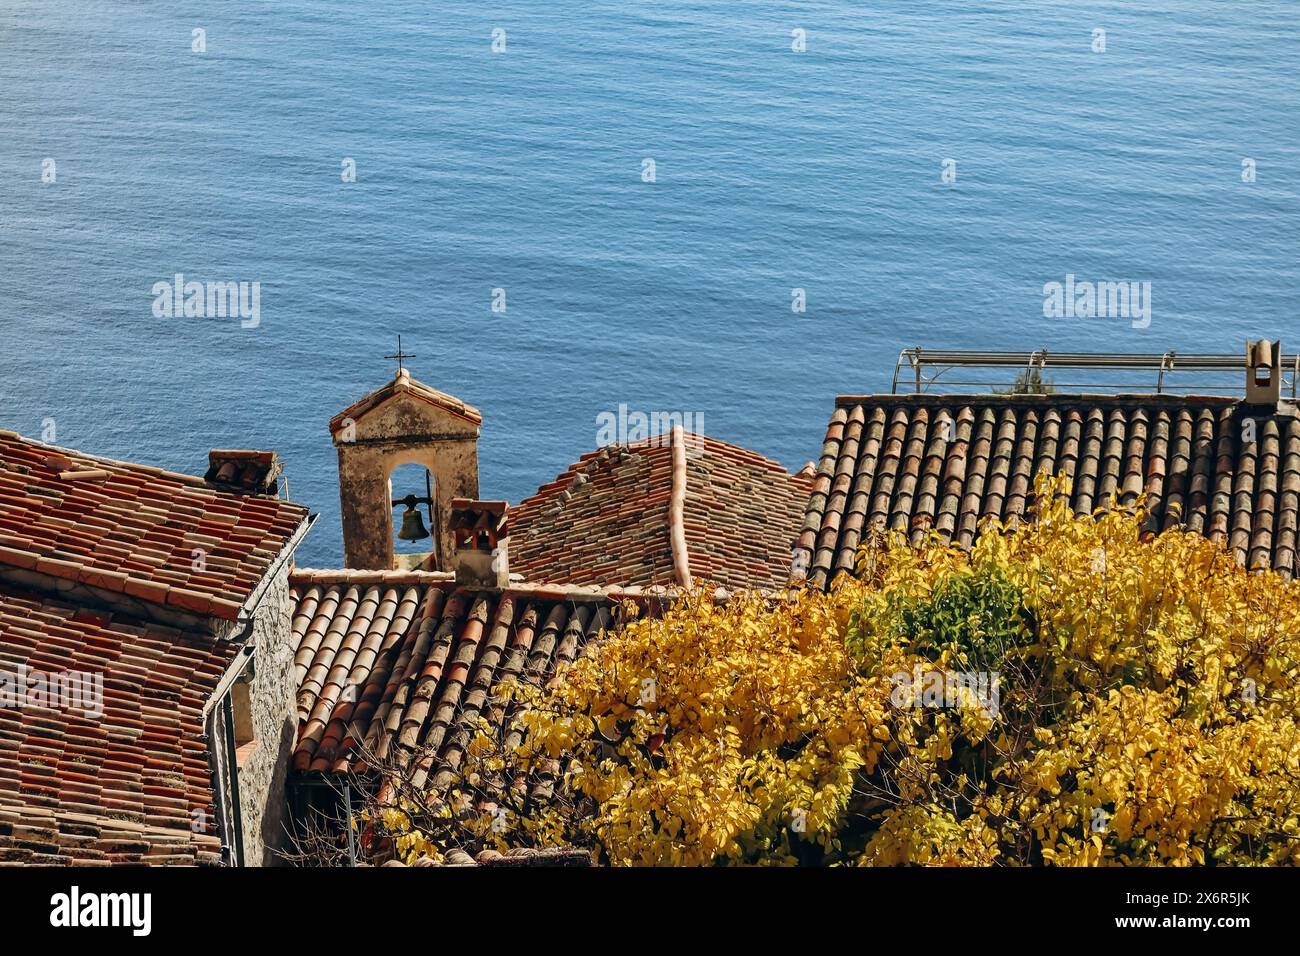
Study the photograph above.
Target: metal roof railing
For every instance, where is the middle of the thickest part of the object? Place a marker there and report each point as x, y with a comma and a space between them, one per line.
1159, 372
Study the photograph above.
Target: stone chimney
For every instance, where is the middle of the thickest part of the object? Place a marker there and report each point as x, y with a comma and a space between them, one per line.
1263, 373
243, 472
480, 557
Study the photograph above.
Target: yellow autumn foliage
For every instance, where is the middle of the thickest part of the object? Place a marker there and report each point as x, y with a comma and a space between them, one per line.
1069, 692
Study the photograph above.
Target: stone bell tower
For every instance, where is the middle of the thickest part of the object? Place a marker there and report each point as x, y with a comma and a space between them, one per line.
403, 422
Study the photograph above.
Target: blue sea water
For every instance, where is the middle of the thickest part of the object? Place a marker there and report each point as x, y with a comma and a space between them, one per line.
522, 170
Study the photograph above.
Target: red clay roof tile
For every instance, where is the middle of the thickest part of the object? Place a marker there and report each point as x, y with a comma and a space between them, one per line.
136, 531
915, 462
123, 788
401, 667
608, 519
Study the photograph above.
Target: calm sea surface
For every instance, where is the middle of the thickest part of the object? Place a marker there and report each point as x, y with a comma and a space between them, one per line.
523, 171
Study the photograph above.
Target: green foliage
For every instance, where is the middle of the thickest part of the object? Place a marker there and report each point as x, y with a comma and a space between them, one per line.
1029, 381
977, 615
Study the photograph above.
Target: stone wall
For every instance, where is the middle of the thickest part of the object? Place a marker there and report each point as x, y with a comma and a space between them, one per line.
271, 708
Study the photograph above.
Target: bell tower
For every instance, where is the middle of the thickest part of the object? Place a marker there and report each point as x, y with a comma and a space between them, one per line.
403, 422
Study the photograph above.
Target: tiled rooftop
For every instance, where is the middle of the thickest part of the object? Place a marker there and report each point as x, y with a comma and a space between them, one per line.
613, 516
132, 786
917, 462
402, 664
162, 537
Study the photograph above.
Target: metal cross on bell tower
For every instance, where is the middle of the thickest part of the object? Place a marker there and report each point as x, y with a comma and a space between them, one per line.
399, 355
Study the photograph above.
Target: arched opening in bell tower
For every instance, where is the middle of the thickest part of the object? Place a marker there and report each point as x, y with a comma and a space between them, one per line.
414, 527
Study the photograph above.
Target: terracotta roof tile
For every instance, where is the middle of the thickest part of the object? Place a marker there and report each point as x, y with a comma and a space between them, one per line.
609, 519
402, 668
127, 787
918, 462
135, 531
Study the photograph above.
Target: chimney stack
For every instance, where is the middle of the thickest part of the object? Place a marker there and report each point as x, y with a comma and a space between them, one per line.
479, 543
243, 472
1263, 373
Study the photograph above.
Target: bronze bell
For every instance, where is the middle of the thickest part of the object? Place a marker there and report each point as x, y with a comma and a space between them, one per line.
413, 528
